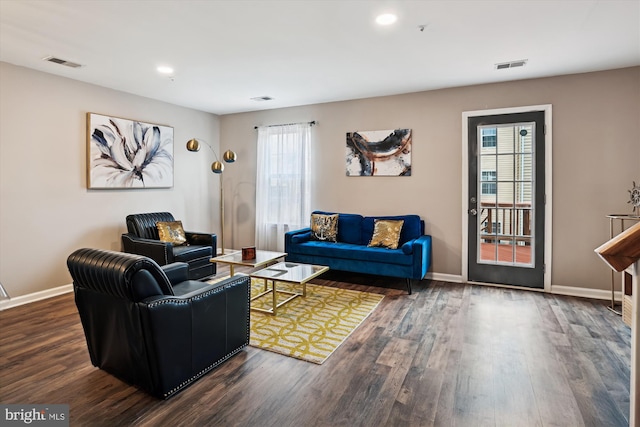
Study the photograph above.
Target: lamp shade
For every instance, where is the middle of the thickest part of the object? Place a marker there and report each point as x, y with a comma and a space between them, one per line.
229, 156
217, 167
193, 145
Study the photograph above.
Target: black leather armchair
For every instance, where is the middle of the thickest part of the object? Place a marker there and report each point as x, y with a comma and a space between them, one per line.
142, 239
150, 326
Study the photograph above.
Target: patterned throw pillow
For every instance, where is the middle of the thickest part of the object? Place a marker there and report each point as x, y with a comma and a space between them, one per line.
324, 227
386, 233
171, 232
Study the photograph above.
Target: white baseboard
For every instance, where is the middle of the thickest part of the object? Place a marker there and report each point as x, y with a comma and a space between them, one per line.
36, 296
453, 278
585, 292
555, 289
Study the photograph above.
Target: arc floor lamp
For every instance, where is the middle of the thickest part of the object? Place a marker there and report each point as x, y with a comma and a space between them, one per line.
217, 167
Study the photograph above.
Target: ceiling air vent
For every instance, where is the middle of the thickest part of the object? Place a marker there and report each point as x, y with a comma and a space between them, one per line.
262, 98
512, 64
61, 62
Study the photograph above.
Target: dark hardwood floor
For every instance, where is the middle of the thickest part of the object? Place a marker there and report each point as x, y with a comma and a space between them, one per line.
447, 355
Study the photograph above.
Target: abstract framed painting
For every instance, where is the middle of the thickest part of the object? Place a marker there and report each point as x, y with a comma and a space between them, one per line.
379, 153
128, 154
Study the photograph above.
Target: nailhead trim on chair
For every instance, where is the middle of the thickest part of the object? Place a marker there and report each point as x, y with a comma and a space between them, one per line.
201, 373
213, 365
249, 313
188, 300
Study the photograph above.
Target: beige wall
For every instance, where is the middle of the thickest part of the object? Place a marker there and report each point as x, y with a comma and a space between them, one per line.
46, 211
596, 156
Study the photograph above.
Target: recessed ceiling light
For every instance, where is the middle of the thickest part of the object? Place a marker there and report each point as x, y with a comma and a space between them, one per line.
386, 19
262, 98
165, 70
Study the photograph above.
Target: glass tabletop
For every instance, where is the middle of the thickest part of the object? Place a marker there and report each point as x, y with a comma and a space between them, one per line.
262, 257
290, 272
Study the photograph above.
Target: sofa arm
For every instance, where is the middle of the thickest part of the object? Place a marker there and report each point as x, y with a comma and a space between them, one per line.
186, 336
297, 236
160, 252
421, 253
203, 239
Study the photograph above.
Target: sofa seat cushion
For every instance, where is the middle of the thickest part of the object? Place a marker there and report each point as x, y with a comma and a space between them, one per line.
188, 253
189, 286
354, 252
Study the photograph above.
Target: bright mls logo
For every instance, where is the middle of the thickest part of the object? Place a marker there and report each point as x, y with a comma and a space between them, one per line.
37, 415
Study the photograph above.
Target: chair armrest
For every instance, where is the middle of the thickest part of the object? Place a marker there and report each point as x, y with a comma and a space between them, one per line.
160, 252
189, 335
176, 272
204, 239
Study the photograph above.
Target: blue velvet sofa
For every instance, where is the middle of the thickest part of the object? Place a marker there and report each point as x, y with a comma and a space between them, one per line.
411, 260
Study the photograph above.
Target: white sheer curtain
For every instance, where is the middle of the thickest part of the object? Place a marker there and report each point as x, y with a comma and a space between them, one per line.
282, 183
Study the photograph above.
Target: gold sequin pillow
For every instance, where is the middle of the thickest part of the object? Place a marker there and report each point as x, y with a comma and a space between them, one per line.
324, 227
386, 233
171, 232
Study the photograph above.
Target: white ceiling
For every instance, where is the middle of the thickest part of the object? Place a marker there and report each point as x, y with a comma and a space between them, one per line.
307, 51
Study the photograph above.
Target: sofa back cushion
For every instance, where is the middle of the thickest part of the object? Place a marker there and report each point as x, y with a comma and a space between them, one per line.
349, 227
411, 229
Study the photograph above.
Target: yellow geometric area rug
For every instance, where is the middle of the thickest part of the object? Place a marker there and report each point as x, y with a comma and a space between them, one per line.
310, 328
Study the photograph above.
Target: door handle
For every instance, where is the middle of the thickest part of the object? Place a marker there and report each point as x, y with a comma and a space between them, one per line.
473, 212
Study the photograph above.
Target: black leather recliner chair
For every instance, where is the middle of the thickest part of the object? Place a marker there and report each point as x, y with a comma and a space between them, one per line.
152, 327
143, 239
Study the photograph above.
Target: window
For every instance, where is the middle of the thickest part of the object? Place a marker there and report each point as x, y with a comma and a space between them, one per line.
488, 187
283, 197
489, 138
496, 227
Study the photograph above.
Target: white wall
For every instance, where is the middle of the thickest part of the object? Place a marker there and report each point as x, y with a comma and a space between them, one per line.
46, 210
596, 157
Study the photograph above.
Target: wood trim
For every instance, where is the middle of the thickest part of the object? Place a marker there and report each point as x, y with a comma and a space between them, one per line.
623, 250
634, 398
620, 253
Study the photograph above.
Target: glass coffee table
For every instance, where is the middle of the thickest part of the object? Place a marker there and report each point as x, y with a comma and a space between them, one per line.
235, 258
287, 272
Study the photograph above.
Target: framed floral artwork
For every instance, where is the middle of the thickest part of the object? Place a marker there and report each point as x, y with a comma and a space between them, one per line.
123, 154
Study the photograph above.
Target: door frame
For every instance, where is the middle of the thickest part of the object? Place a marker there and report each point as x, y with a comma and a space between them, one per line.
547, 190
